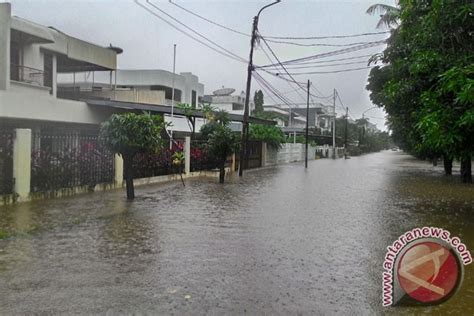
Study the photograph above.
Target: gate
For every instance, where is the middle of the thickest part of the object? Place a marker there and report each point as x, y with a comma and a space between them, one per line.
254, 155
6, 161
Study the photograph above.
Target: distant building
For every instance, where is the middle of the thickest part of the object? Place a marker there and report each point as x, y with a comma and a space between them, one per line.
296, 116
143, 86
222, 99
285, 117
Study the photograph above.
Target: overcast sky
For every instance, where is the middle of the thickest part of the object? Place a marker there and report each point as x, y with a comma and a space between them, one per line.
148, 42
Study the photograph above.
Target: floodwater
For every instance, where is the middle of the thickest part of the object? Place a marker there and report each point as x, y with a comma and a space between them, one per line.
282, 240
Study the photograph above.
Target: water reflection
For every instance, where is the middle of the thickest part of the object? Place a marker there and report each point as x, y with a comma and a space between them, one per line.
280, 240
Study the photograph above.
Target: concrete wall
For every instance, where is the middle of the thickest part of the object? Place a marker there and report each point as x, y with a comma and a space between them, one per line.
142, 80
185, 82
24, 101
288, 153
139, 96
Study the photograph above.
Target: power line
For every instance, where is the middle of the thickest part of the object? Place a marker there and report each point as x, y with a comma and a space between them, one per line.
318, 44
333, 60
325, 72
341, 105
185, 33
331, 53
272, 37
281, 65
326, 37
195, 32
289, 82
297, 66
209, 21
272, 90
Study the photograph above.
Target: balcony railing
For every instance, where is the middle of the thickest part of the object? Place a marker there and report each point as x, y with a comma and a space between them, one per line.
29, 75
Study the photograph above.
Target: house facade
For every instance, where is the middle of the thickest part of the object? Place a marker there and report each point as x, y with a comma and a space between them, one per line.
31, 58
153, 86
224, 99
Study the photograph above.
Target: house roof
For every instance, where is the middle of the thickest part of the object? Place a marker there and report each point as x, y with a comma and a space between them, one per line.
163, 109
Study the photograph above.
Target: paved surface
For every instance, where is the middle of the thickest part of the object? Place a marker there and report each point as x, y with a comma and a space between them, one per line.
279, 241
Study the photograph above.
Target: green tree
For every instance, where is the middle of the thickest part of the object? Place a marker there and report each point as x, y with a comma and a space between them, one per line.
129, 134
270, 134
389, 15
222, 142
259, 101
426, 83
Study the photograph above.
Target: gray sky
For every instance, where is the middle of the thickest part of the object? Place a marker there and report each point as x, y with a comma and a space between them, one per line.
148, 41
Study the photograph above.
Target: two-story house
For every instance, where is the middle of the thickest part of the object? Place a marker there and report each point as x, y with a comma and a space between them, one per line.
31, 59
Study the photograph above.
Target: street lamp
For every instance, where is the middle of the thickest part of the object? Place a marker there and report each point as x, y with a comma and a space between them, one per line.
245, 121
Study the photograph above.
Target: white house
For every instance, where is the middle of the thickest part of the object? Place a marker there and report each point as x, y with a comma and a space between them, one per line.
223, 99
31, 57
153, 86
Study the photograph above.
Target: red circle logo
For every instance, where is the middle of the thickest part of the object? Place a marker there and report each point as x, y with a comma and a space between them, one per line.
429, 272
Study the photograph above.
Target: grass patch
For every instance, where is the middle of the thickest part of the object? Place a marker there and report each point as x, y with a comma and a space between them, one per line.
4, 234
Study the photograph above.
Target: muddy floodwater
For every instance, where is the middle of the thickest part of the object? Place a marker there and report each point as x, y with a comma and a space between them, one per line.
281, 240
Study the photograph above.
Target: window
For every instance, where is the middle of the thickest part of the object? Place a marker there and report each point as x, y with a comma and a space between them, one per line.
48, 70
168, 92
15, 61
193, 99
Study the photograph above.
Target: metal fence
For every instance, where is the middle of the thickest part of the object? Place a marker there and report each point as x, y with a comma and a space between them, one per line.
6, 160
254, 155
201, 159
29, 75
146, 165
68, 160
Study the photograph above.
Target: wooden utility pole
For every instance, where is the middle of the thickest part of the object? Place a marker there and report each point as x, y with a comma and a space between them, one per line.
345, 134
334, 125
307, 127
245, 121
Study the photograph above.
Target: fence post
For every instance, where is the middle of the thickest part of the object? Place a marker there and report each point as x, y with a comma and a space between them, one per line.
118, 170
22, 162
234, 164
264, 154
187, 154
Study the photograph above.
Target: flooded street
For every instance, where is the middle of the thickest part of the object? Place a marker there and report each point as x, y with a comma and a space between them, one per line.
281, 240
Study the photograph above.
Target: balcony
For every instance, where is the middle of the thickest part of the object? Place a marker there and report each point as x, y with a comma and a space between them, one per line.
30, 76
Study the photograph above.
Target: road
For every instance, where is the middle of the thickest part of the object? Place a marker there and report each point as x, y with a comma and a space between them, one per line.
281, 240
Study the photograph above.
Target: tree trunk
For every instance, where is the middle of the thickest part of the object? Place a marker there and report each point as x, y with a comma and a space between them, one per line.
221, 172
128, 164
466, 175
448, 165
434, 160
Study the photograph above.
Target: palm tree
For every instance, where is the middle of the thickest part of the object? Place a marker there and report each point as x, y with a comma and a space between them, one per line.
389, 15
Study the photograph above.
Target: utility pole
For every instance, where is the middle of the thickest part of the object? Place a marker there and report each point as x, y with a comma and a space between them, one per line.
345, 134
172, 94
334, 125
250, 68
307, 127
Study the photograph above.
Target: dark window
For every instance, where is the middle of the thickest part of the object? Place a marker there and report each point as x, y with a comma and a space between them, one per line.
193, 100
168, 92
237, 106
15, 61
48, 70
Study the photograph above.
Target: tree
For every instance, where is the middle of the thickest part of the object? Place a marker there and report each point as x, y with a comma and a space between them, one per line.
270, 134
129, 134
221, 141
258, 100
389, 15
426, 84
